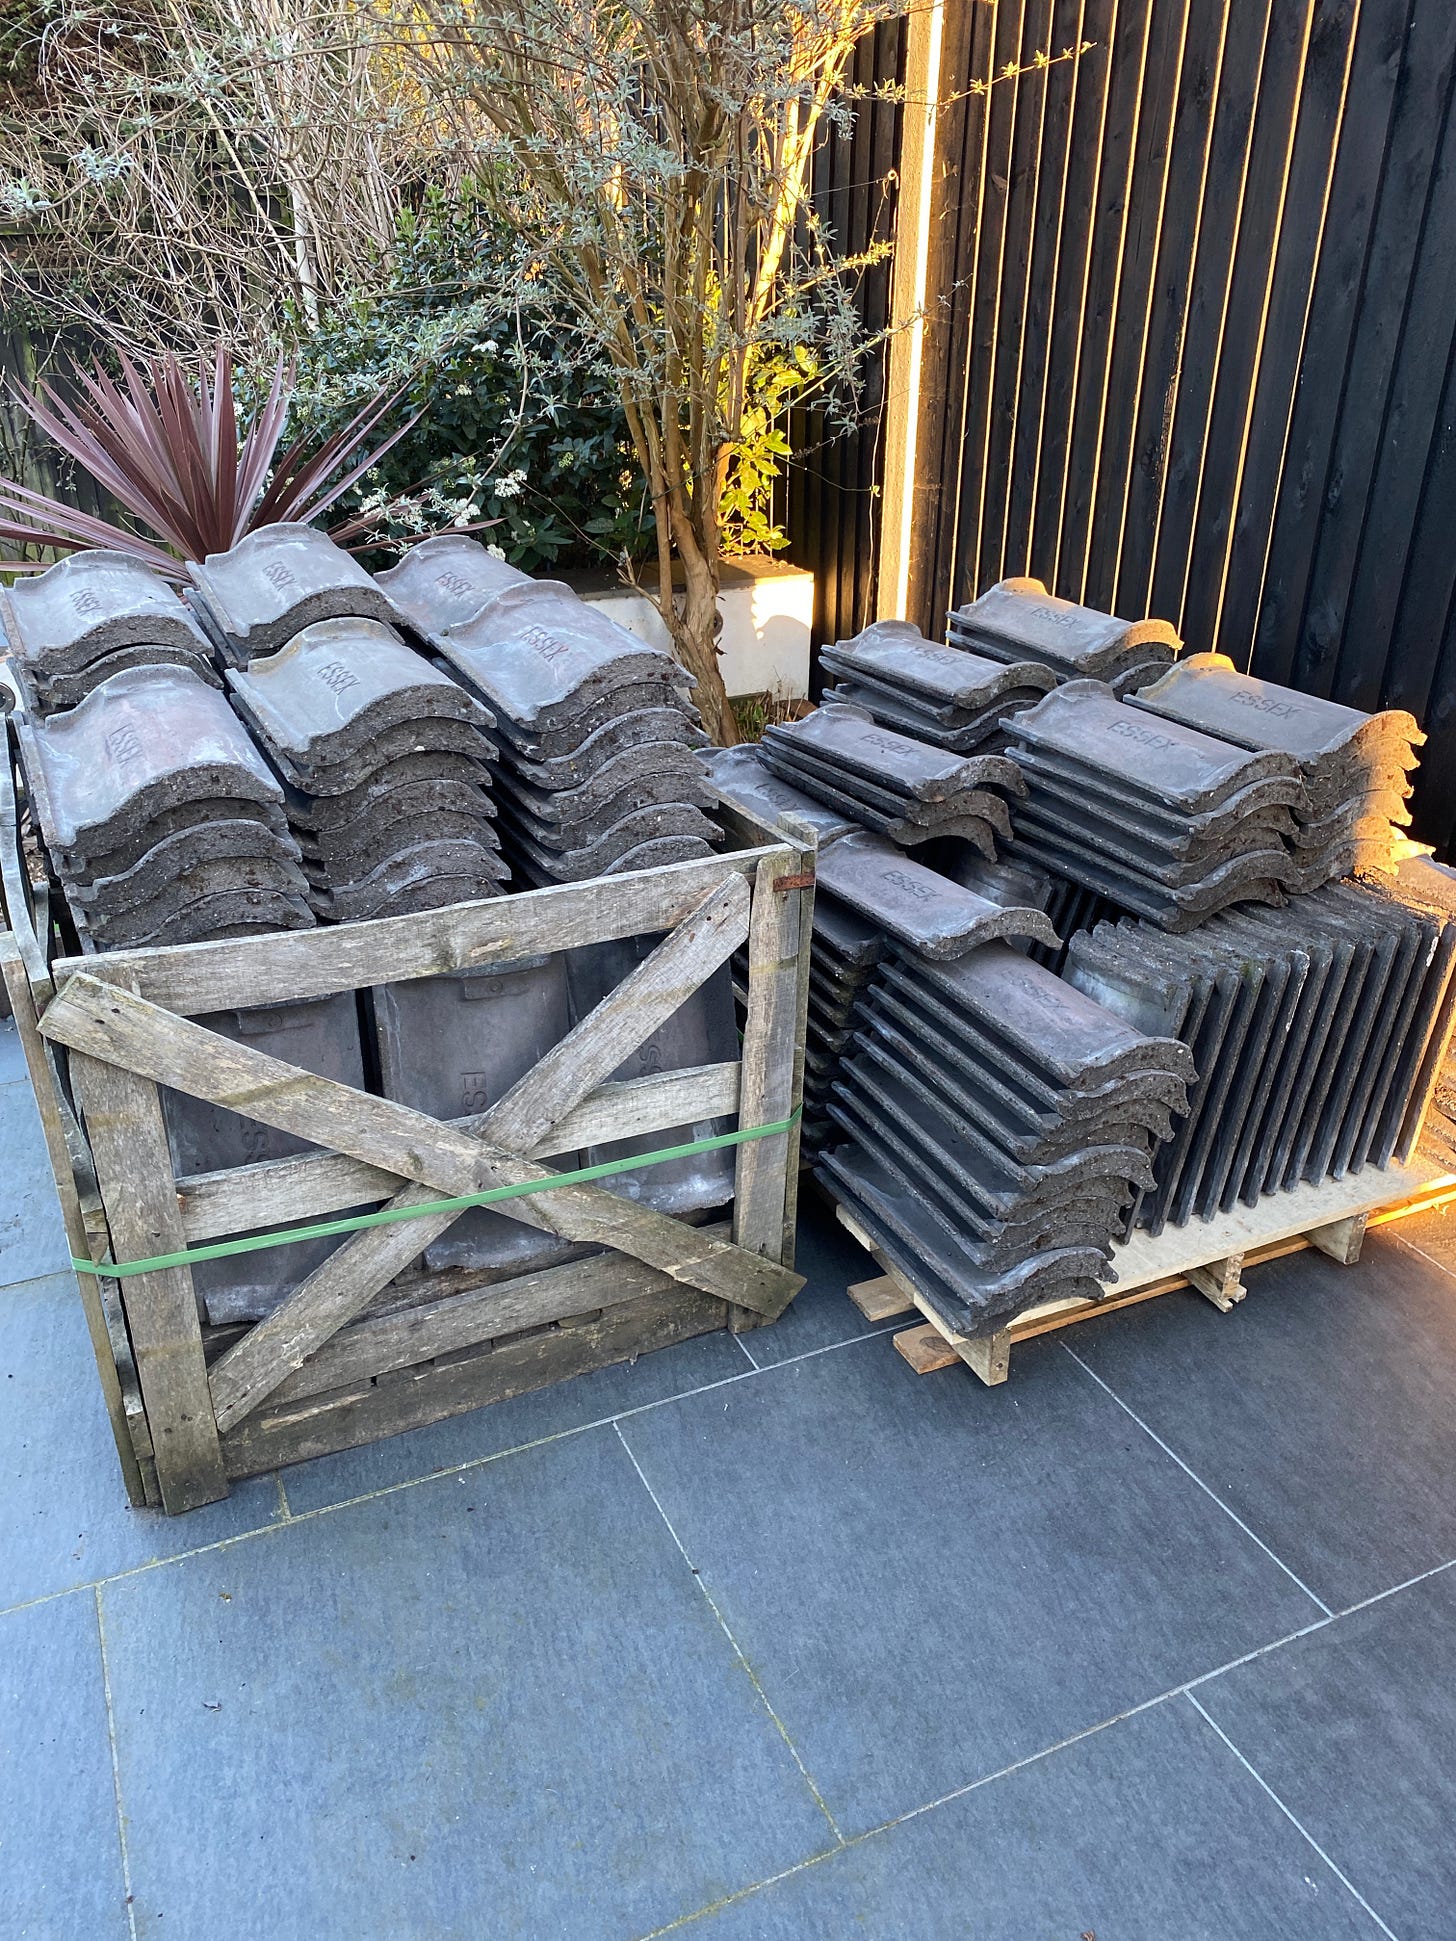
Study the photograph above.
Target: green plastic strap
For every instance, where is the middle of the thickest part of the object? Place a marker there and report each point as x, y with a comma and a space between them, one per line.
387, 1216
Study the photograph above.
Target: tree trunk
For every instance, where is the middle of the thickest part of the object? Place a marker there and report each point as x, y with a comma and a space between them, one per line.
695, 637
692, 618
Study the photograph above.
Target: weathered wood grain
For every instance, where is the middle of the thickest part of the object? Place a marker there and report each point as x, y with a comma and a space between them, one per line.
624, 1019
345, 1283
365, 1413
115, 1025
123, 1118
772, 1034
192, 979
311, 1186
379, 1344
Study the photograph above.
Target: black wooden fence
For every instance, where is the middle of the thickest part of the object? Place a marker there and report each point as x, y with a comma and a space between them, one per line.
1194, 345
833, 486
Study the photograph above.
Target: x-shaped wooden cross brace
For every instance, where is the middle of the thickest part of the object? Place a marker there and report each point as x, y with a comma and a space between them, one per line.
131, 1040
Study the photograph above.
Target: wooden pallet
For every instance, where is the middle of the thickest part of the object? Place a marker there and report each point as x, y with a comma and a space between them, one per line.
1211, 1257
370, 1344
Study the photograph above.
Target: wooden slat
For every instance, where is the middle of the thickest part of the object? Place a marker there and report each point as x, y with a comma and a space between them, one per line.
378, 1345
880, 1299
1321, 104
14, 882
989, 255
1151, 154
1045, 291
1404, 234
772, 1044
1091, 96
624, 1019
1353, 200
1412, 431
349, 1279
965, 33
1166, 318
925, 1348
1237, 375
1132, 26
318, 1426
344, 1284
1022, 197
193, 979
311, 1186
134, 1167
1220, 213
114, 1025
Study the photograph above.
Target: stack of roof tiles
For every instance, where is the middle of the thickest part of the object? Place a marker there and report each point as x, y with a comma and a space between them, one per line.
1018, 620
944, 696
318, 1035
1164, 821
597, 732
891, 783
1317, 1033
252, 599
1355, 765
995, 1127
867, 894
94, 615
455, 1045
385, 761
163, 822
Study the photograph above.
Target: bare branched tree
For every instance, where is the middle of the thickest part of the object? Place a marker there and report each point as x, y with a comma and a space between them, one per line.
655, 159
237, 169
178, 173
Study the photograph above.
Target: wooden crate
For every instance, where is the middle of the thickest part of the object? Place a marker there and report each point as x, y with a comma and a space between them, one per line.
1210, 1256
373, 1343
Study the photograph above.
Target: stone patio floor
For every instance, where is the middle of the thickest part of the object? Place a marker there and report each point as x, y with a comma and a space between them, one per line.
760, 1638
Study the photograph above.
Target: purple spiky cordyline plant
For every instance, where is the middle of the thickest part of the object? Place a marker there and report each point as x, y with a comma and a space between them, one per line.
169, 449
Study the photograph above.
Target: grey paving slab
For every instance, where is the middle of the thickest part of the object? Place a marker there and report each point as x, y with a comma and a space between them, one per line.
1147, 1831
508, 1425
1354, 1729
497, 1705
32, 1239
821, 1313
12, 1058
1321, 1410
64, 1518
843, 1512
60, 1851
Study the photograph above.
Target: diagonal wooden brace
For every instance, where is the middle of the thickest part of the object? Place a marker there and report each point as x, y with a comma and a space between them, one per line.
123, 1030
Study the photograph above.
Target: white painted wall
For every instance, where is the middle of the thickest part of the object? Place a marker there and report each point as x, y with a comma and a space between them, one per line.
768, 611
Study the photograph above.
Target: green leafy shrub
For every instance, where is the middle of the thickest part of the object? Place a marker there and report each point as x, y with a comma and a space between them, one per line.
512, 428
516, 425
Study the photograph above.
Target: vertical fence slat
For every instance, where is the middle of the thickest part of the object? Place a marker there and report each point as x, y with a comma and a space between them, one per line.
1165, 342
1354, 193
1422, 103
1023, 210
1320, 109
